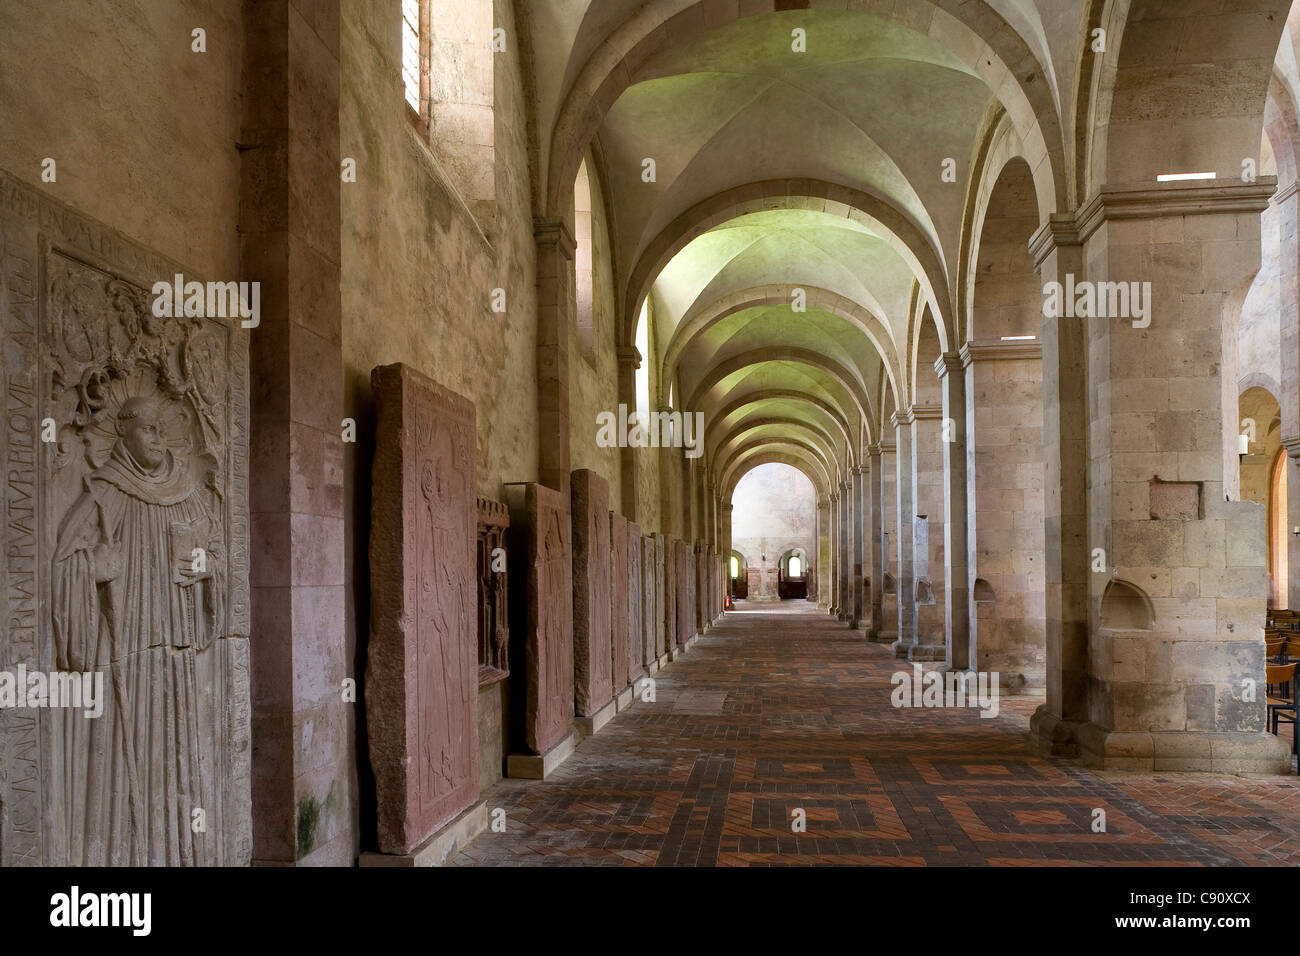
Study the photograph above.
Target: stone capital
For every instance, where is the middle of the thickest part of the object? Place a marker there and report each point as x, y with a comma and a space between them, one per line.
1059, 230
875, 449
628, 354
1285, 193
1292, 446
926, 412
902, 417
1144, 201
888, 447
552, 231
1000, 350
948, 361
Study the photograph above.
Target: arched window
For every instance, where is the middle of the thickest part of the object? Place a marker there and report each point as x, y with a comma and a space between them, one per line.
735, 566
796, 566
449, 84
1278, 559
583, 262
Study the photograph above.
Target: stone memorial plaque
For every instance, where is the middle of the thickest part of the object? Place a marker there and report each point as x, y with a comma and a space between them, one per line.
671, 579
125, 486
619, 598
592, 653
650, 602
685, 585
636, 602
422, 665
548, 714
663, 594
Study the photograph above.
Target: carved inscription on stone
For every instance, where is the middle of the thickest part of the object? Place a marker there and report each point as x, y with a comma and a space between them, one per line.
592, 655
125, 556
619, 603
548, 716
422, 668
636, 602
649, 604
493, 616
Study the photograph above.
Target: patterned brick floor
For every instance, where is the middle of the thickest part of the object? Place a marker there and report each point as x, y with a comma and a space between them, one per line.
783, 709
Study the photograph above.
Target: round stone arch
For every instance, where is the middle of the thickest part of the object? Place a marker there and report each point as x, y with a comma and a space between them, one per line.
860, 316
920, 252
764, 395
1001, 154
855, 387
1202, 112
974, 31
809, 453
923, 351
744, 427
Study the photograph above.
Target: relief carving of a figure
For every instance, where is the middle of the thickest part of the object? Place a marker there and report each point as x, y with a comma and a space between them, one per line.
137, 589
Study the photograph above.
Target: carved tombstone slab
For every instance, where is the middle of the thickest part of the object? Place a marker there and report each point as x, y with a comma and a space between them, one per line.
635, 603
592, 656
663, 613
685, 586
701, 559
422, 666
669, 573
619, 602
650, 602
124, 474
548, 712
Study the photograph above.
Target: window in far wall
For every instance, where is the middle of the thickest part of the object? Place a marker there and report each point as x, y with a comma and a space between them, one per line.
796, 566
411, 52
735, 566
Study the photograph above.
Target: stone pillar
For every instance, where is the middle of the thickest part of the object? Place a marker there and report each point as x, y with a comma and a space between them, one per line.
833, 514
906, 513
875, 551
823, 539
956, 574
889, 540
1179, 616
856, 533
1004, 478
1058, 253
845, 568
592, 651
554, 278
929, 585
290, 148
1286, 202
629, 360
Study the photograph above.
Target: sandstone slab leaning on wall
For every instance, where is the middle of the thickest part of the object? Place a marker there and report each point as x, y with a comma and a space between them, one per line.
422, 665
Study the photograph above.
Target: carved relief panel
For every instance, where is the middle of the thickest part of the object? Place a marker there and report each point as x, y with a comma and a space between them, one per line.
125, 471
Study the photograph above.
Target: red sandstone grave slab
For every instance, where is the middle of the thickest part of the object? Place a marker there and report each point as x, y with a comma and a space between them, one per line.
668, 572
636, 601
684, 585
592, 646
548, 713
422, 667
619, 598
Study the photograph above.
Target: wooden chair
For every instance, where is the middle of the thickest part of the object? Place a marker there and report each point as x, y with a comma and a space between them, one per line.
1284, 707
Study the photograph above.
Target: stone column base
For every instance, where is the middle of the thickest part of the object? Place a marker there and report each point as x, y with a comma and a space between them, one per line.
1053, 736
1221, 752
627, 695
589, 725
440, 847
540, 766
900, 647
882, 637
928, 652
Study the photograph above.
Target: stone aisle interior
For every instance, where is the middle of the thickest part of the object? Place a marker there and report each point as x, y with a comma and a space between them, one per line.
780, 708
